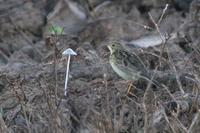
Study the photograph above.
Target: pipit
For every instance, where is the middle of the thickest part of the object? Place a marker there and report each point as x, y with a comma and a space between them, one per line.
127, 65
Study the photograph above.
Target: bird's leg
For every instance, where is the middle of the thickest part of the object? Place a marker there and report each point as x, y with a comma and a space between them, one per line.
130, 89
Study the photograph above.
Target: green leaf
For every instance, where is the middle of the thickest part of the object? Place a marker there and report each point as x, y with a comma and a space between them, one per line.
53, 29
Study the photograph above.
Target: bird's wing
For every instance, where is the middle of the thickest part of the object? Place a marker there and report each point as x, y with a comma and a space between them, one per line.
130, 63
134, 61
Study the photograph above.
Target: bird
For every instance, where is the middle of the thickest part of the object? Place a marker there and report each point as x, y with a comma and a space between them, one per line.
129, 66
126, 64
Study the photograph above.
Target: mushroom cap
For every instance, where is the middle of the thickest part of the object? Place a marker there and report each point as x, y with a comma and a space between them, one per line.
69, 51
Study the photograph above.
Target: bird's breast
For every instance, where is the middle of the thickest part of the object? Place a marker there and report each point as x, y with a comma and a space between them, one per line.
119, 71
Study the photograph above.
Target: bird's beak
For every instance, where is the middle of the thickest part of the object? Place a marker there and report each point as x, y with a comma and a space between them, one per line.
109, 48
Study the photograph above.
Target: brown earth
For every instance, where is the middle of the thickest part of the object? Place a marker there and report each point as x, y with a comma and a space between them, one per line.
32, 69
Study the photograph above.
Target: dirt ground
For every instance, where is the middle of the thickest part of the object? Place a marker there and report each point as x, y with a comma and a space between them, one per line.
32, 67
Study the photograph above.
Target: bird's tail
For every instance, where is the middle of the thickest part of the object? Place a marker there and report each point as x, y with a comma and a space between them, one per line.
162, 78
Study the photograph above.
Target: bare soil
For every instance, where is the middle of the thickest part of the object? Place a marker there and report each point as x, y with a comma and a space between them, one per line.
32, 68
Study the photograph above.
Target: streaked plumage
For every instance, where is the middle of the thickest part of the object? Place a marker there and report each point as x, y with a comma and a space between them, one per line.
130, 67
127, 65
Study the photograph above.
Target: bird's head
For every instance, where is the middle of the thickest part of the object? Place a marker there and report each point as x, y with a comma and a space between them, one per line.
113, 46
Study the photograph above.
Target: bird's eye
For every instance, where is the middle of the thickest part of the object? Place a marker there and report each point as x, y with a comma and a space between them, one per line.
113, 45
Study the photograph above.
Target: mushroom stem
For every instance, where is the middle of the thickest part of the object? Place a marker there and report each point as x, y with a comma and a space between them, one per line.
67, 74
68, 52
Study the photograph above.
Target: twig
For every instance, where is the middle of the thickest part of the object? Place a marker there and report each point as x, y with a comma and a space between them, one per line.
195, 119
175, 72
3, 127
167, 120
17, 84
158, 30
163, 13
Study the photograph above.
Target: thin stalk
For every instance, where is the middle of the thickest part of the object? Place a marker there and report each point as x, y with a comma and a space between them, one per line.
67, 74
